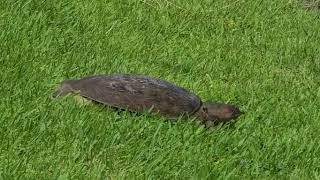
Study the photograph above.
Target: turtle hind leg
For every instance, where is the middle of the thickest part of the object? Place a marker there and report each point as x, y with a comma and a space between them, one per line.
64, 89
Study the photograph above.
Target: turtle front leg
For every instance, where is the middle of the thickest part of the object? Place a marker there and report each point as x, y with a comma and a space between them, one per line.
82, 100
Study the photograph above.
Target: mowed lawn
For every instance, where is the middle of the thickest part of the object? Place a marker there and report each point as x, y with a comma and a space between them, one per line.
263, 56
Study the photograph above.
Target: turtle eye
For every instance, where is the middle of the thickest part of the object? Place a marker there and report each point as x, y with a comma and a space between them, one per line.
205, 110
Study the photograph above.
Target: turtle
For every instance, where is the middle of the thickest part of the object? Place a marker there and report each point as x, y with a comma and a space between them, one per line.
138, 93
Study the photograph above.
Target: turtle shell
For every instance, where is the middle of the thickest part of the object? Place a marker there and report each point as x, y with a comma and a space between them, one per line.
138, 93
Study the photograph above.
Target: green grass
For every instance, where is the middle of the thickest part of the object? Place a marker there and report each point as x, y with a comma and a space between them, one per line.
263, 56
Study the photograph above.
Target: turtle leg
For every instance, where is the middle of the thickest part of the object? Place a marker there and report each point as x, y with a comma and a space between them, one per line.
82, 100
209, 124
63, 89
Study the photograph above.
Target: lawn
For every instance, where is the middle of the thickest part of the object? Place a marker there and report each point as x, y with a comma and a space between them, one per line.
263, 56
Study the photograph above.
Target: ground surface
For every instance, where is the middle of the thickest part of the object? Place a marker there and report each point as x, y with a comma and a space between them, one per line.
263, 56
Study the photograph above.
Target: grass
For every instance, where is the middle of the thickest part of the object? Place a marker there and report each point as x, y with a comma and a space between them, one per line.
263, 56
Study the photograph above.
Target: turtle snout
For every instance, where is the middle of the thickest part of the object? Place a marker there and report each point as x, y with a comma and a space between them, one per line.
234, 112
219, 112
237, 112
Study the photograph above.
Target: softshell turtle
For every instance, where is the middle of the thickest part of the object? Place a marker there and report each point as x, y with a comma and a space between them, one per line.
138, 93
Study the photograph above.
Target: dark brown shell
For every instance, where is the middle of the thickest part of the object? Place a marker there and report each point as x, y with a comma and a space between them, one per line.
138, 93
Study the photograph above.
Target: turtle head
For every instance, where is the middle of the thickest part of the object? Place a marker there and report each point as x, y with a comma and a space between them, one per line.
63, 89
212, 113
